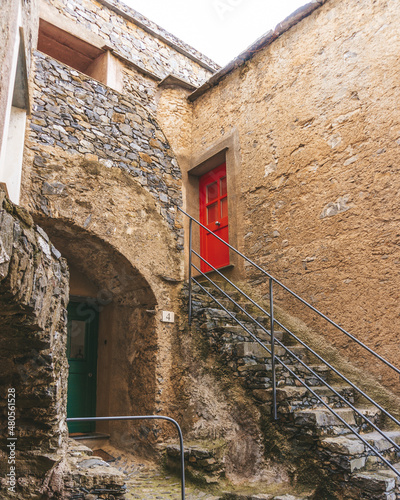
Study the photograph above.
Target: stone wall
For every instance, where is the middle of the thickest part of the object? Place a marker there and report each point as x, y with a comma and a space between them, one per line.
137, 39
101, 177
140, 87
81, 116
318, 179
33, 298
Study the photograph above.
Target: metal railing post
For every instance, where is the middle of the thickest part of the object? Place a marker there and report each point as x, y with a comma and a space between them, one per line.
145, 417
276, 341
271, 312
297, 297
190, 269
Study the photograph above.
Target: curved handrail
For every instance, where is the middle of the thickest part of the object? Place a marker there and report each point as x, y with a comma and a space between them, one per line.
145, 417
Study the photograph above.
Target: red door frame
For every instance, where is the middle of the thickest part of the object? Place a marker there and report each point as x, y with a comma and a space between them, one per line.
213, 197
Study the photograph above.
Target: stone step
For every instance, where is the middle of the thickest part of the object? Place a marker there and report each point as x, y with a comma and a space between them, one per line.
216, 314
233, 328
322, 422
375, 483
343, 445
351, 445
283, 376
326, 393
326, 422
304, 374
372, 413
379, 442
262, 335
296, 396
253, 349
292, 397
298, 350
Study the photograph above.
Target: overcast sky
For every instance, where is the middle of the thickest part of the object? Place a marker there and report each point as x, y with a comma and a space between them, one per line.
220, 29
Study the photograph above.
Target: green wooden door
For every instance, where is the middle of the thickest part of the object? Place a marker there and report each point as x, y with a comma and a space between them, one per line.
82, 360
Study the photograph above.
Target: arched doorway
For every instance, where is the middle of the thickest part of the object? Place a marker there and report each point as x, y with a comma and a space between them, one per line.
112, 341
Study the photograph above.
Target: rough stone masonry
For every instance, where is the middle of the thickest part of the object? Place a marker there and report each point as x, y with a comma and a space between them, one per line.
33, 299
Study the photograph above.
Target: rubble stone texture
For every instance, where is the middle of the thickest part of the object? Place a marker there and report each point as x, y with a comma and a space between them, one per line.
33, 299
158, 52
81, 116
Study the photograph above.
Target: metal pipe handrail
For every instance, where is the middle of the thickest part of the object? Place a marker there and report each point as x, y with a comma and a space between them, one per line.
287, 350
387, 363
231, 283
145, 417
331, 367
301, 362
376, 452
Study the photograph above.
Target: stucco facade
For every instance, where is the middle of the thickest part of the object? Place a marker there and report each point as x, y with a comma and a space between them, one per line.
316, 192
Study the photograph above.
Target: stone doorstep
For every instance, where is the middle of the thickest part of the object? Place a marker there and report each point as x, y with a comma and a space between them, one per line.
91, 472
93, 441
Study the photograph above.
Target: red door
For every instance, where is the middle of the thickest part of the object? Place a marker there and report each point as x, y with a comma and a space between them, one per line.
214, 215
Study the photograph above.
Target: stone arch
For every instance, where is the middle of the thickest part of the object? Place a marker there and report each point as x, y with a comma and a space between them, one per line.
105, 279
33, 296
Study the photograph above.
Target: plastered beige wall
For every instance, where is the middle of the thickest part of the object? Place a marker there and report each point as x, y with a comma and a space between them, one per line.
318, 122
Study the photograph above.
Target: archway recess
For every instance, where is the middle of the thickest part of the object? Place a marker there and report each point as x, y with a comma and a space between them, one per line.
104, 280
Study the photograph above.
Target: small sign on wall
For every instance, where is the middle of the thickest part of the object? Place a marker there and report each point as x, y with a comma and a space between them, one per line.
168, 317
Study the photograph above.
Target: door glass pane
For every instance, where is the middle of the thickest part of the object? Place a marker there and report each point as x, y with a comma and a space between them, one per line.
224, 207
212, 192
77, 339
212, 213
222, 186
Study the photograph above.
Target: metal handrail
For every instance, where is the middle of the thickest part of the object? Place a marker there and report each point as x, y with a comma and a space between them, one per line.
320, 358
376, 452
145, 417
294, 356
397, 370
274, 358
277, 358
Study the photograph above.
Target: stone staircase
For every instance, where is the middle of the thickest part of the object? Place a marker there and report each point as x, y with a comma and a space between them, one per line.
349, 466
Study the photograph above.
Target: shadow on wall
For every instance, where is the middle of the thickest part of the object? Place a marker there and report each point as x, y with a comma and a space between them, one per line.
104, 281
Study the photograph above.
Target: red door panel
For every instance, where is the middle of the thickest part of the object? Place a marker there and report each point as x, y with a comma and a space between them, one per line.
214, 215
